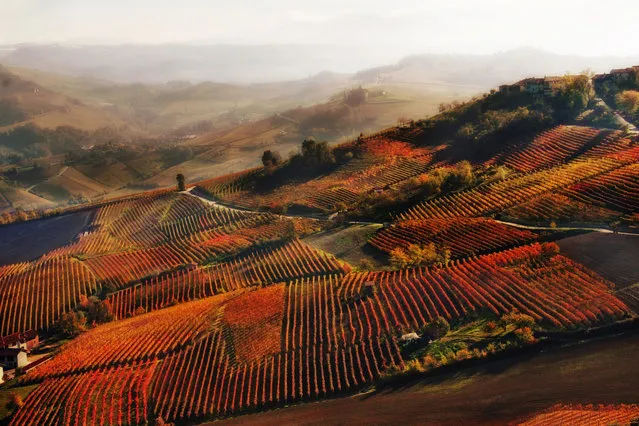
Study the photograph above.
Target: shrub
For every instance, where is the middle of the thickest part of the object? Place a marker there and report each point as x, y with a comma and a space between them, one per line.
518, 320
271, 158
99, 311
525, 335
490, 326
15, 401
418, 255
463, 175
549, 249
438, 328
628, 101
70, 324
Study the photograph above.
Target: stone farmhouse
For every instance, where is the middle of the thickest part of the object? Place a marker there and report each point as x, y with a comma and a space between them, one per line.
535, 86
11, 358
617, 75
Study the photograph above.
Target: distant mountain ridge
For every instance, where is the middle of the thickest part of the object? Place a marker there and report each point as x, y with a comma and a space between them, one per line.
488, 70
244, 64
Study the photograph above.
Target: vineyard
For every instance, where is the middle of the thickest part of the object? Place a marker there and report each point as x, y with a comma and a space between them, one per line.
311, 337
555, 147
108, 396
586, 415
34, 295
463, 236
561, 208
597, 199
381, 162
220, 388
630, 295
496, 197
141, 338
220, 311
292, 260
531, 279
209, 358
157, 240
618, 189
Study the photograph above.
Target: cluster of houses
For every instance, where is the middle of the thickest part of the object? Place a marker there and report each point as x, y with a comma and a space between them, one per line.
617, 75
14, 350
546, 86
536, 86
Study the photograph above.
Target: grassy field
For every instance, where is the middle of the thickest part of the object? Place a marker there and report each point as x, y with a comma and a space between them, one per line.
496, 393
349, 244
14, 198
70, 182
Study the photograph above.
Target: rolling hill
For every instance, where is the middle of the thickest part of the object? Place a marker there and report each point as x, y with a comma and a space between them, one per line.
29, 102
216, 302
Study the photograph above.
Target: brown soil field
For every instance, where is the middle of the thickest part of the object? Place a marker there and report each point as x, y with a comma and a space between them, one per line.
496, 393
615, 257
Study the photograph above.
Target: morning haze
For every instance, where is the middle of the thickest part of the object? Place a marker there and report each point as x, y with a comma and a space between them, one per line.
287, 212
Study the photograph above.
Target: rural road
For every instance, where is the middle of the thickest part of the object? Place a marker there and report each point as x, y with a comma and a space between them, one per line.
60, 173
620, 120
514, 225
559, 228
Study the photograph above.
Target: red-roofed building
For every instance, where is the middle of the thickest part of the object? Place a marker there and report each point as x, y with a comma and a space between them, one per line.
28, 341
624, 74
534, 86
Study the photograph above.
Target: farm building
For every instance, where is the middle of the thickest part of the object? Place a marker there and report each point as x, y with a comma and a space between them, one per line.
11, 358
535, 86
623, 74
28, 341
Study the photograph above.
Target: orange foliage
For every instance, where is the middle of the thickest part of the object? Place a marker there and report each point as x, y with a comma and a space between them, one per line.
255, 320
585, 415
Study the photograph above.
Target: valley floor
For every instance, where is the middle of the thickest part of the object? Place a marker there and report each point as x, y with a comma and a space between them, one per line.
29, 240
602, 371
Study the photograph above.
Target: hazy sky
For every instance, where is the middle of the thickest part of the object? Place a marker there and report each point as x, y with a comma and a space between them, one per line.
585, 27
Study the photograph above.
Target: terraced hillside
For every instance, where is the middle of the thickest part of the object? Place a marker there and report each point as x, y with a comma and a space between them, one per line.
310, 337
216, 305
153, 239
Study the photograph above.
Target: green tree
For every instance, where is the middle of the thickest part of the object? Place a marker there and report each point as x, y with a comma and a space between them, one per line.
99, 311
70, 324
463, 175
271, 158
438, 328
628, 101
356, 97
180, 182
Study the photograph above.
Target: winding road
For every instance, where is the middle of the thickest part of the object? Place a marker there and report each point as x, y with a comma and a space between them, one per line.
620, 120
60, 173
357, 222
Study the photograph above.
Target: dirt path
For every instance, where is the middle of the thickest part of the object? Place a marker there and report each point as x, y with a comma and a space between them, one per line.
570, 228
211, 202
497, 393
620, 120
326, 217
60, 173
